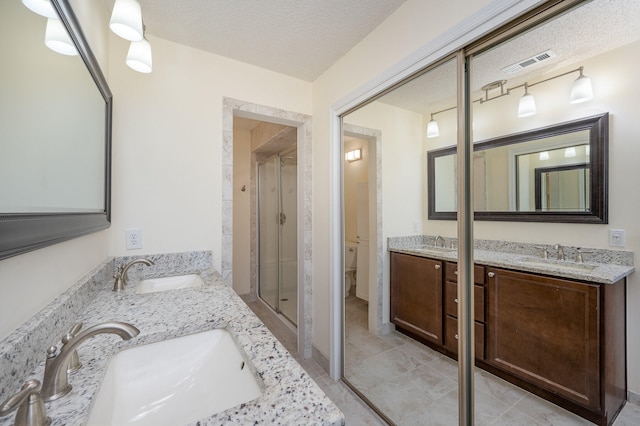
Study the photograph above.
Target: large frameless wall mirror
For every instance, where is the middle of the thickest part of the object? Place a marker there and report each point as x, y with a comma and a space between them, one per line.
55, 130
553, 174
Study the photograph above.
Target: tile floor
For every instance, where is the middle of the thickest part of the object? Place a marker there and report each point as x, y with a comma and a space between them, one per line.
414, 385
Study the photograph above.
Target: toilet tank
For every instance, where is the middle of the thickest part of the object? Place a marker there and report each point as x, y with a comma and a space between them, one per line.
350, 255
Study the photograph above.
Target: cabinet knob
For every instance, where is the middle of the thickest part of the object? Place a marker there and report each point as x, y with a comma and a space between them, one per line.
456, 336
437, 266
455, 272
455, 300
491, 274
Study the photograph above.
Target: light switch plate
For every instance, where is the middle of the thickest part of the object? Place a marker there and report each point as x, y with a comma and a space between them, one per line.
616, 238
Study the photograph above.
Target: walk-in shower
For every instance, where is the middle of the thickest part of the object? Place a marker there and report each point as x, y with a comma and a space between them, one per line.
277, 234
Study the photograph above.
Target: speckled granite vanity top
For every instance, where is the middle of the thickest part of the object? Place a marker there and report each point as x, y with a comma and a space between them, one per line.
607, 267
289, 396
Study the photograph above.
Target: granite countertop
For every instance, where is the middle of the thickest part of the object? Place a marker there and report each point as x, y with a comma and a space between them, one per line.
603, 273
289, 396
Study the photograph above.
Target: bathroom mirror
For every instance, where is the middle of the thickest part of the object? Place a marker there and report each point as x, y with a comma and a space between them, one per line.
551, 174
55, 134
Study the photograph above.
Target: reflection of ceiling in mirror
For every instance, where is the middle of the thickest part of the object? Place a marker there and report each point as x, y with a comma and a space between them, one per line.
590, 30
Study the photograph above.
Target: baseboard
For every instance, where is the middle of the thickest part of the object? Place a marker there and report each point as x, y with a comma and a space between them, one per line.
633, 397
319, 357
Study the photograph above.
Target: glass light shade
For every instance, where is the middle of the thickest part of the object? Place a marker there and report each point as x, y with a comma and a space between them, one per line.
139, 56
41, 7
354, 155
570, 152
126, 20
433, 131
581, 90
57, 38
526, 106
544, 155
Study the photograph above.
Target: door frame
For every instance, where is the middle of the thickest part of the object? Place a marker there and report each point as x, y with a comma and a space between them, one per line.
233, 107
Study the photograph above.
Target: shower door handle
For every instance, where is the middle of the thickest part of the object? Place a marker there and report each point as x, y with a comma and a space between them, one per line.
282, 218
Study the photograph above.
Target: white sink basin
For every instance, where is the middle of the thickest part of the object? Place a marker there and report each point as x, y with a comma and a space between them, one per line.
174, 382
558, 265
168, 283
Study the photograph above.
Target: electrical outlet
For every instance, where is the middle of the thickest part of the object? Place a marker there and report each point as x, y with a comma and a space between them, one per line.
616, 237
133, 238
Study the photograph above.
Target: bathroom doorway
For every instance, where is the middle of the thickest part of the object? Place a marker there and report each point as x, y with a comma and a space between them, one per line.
277, 233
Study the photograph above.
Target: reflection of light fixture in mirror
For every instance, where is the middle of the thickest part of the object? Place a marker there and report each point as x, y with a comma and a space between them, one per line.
41, 7
570, 152
353, 155
126, 20
432, 128
544, 155
527, 104
581, 90
587, 150
57, 38
139, 56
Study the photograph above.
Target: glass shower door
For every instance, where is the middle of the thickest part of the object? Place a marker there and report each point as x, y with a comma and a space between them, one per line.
278, 228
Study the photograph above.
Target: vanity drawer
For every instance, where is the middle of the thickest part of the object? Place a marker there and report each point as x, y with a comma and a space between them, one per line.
452, 275
451, 336
451, 301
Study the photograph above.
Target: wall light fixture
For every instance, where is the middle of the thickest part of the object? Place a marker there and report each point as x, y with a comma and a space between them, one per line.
57, 38
581, 91
353, 155
126, 20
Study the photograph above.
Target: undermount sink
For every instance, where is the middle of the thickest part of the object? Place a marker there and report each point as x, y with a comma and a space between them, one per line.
175, 381
431, 249
177, 282
559, 265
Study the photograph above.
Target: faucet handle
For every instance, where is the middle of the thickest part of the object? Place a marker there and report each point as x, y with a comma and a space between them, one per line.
74, 362
579, 253
28, 401
545, 252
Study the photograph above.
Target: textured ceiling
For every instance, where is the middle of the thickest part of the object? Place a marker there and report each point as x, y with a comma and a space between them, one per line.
590, 30
299, 38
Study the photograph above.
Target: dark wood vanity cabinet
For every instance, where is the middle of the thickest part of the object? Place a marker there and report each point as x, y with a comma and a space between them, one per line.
565, 337
561, 339
451, 309
416, 296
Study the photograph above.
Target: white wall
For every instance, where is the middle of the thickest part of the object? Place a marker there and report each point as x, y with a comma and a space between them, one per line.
167, 147
30, 281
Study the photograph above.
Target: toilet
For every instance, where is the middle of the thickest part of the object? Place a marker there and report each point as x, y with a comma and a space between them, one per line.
350, 265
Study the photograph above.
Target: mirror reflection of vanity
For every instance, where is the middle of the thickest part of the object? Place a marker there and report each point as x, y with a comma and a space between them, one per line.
55, 134
552, 174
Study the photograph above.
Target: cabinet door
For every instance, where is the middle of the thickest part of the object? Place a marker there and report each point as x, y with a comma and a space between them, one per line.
545, 330
416, 295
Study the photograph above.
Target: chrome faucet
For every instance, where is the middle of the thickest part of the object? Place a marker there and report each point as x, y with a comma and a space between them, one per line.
438, 239
121, 274
55, 382
560, 255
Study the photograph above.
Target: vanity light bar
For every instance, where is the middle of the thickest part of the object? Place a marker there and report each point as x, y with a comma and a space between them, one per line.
581, 91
